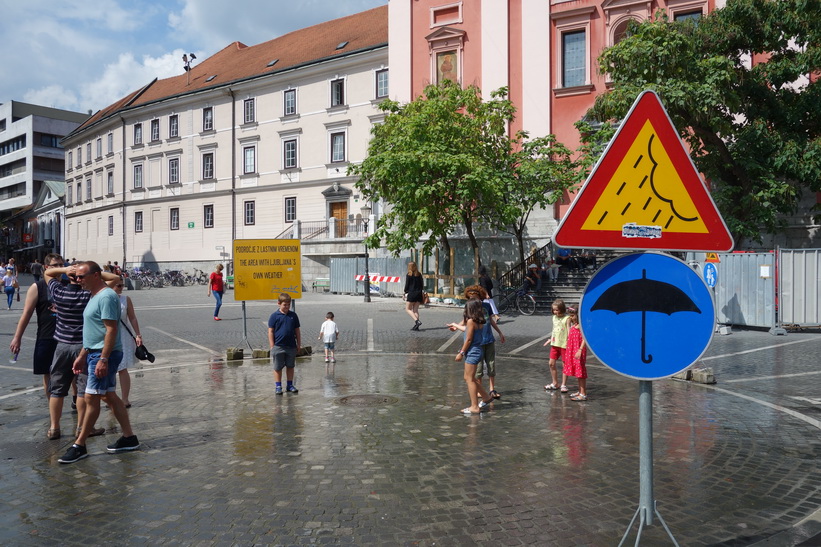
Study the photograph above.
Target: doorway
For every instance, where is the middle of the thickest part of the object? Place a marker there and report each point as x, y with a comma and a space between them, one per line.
339, 212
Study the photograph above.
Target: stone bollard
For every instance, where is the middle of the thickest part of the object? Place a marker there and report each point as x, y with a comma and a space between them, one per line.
683, 375
703, 375
262, 354
304, 351
234, 354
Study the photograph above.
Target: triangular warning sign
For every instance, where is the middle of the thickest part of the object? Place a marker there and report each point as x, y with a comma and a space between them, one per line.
645, 193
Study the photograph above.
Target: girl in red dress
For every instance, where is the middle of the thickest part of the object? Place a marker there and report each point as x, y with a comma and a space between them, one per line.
575, 357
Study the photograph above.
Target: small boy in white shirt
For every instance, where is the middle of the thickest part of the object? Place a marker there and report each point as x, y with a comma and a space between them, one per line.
329, 333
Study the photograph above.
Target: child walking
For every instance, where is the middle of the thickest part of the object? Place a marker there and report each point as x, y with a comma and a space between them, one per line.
557, 342
575, 356
329, 333
472, 322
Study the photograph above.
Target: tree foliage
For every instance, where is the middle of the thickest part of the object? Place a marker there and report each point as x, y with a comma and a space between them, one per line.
436, 161
754, 129
446, 160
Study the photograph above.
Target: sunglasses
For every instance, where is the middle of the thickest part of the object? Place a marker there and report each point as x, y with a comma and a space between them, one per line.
119, 285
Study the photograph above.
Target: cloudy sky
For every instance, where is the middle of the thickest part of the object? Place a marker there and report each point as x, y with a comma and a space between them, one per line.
84, 55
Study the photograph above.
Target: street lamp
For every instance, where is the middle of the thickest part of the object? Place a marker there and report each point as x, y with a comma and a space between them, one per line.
366, 217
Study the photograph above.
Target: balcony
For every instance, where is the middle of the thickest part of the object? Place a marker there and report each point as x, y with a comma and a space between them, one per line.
327, 230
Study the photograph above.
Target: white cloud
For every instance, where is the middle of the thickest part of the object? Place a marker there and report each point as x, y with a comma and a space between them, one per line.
54, 96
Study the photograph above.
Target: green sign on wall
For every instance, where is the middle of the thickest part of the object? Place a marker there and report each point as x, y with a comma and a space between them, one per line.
190, 224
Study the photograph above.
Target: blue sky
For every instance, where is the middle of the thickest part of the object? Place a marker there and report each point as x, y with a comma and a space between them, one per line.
84, 55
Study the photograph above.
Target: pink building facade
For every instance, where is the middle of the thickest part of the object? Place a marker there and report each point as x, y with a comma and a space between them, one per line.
544, 51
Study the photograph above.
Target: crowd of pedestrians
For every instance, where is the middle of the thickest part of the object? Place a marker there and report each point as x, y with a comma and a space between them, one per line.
78, 347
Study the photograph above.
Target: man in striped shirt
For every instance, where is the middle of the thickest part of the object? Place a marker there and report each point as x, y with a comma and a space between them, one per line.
70, 300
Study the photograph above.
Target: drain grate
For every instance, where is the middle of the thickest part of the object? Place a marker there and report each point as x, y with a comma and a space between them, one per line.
367, 400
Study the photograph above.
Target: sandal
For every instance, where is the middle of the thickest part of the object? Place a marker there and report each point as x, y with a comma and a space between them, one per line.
578, 397
575, 393
551, 387
468, 412
495, 394
53, 434
96, 432
564, 389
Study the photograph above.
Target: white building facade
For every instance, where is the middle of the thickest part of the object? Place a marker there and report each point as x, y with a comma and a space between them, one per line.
254, 142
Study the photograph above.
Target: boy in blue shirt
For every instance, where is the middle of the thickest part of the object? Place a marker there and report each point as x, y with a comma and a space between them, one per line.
284, 339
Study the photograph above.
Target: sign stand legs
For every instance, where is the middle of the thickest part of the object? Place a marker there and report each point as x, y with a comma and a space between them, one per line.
245, 328
647, 505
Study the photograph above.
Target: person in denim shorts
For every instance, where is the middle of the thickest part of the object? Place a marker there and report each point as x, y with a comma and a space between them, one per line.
101, 355
284, 339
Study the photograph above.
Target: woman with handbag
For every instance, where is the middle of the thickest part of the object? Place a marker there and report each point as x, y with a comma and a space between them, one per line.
414, 295
129, 341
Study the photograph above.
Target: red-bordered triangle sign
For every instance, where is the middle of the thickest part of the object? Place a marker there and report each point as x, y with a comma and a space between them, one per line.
645, 193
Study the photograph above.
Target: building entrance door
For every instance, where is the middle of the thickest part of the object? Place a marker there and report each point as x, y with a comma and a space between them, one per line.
339, 212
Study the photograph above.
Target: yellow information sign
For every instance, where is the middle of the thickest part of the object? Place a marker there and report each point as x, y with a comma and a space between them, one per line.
265, 268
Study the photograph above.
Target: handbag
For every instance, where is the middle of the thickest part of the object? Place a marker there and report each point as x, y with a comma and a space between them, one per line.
141, 352
425, 298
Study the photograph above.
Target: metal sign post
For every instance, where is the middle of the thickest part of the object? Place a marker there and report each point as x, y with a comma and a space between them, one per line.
647, 503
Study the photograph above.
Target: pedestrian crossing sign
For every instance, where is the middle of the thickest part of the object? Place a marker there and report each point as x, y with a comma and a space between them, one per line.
645, 192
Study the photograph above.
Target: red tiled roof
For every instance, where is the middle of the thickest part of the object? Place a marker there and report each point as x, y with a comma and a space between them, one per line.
237, 61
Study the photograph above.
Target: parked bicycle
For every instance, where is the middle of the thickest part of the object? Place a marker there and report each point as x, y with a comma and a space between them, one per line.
516, 299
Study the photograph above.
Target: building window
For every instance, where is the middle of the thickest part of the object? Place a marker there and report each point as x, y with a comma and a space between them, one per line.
155, 130
208, 216
138, 176
338, 92
173, 126
290, 209
249, 110
174, 171
381, 83
208, 166
574, 51
110, 183
250, 213
70, 159
688, 16
289, 98
289, 154
79, 192
69, 194
88, 189
138, 221
110, 140
110, 225
100, 147
337, 147
88, 152
249, 159
174, 218
208, 118
79, 156
138, 133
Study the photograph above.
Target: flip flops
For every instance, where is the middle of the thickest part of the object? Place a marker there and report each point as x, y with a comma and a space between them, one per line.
468, 412
578, 397
495, 394
551, 387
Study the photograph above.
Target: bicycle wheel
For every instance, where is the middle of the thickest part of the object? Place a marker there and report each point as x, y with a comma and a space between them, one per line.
502, 303
526, 304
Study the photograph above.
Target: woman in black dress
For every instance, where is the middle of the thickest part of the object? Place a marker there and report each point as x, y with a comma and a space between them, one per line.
413, 294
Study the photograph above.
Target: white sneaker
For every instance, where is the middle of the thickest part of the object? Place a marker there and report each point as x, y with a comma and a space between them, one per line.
327, 360
333, 360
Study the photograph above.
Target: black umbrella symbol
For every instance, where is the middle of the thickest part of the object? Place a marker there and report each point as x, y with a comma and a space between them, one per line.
644, 295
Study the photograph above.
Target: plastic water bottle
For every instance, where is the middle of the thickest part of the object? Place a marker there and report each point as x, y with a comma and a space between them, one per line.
14, 359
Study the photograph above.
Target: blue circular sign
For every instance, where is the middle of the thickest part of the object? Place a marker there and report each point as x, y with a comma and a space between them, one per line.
647, 315
710, 274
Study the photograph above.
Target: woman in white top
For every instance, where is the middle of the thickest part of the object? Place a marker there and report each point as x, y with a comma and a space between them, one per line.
128, 317
8, 283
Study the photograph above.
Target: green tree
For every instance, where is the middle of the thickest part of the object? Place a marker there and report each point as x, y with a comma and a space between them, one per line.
540, 170
437, 161
754, 131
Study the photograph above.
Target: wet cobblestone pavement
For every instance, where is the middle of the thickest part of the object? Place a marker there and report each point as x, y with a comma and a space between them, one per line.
373, 450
